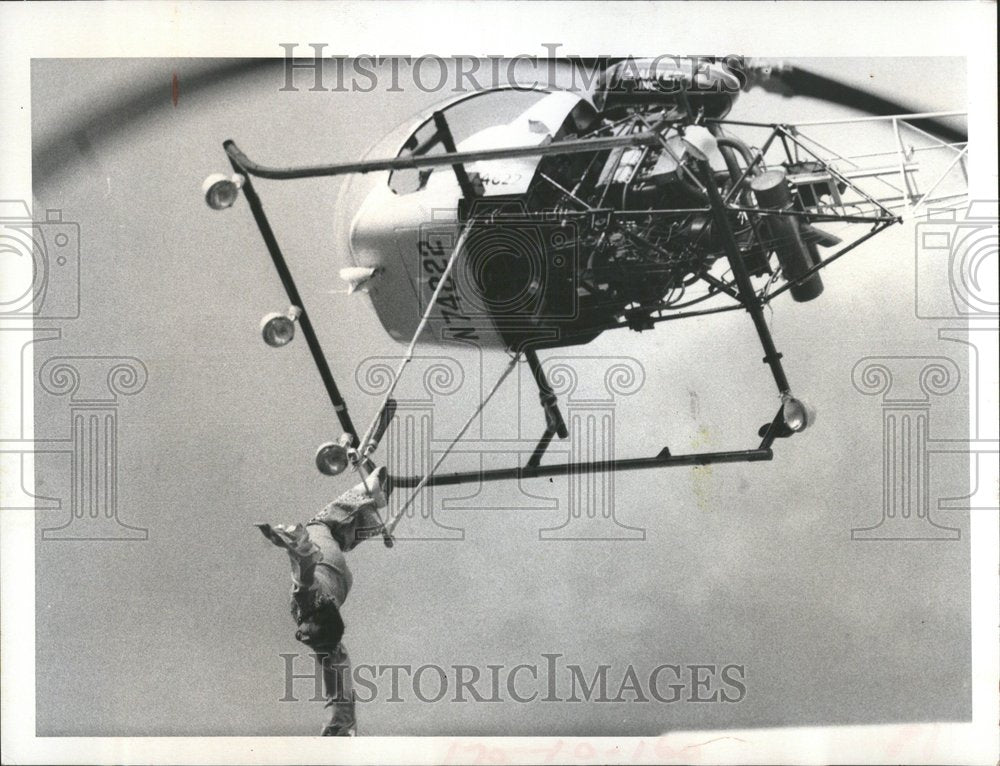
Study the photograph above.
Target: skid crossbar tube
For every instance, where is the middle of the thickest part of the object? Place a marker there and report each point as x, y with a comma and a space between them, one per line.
571, 469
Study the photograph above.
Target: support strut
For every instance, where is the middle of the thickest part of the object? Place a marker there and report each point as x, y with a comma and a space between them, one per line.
543, 444
461, 175
747, 295
553, 417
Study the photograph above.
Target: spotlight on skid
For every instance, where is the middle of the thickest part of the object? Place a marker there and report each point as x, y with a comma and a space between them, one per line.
279, 329
797, 414
332, 458
221, 191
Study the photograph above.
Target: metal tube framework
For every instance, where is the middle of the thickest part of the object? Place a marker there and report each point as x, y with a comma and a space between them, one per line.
745, 296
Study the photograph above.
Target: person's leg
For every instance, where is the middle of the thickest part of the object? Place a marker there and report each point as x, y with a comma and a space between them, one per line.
308, 547
332, 576
354, 516
303, 553
339, 693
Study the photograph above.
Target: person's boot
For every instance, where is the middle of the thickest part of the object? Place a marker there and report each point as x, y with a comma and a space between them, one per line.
377, 487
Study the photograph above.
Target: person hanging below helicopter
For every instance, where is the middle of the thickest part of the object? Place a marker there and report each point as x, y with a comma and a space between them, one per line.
321, 581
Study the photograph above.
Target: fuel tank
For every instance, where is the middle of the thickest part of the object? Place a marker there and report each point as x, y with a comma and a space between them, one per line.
407, 225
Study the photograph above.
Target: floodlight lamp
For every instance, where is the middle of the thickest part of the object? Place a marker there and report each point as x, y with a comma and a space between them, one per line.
221, 191
797, 414
332, 458
278, 329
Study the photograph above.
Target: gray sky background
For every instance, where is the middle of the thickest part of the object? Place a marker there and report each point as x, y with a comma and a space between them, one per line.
749, 564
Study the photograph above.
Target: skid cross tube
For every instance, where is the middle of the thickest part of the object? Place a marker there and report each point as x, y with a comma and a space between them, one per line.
572, 469
267, 234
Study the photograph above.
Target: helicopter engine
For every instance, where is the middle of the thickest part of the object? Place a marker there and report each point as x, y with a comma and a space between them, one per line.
561, 247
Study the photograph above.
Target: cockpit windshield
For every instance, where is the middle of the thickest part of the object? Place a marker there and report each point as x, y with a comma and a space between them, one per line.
465, 116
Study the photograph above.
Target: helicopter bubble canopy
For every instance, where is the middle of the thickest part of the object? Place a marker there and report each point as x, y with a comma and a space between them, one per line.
408, 221
467, 114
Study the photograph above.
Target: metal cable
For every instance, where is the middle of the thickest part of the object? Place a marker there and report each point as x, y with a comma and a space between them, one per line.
396, 517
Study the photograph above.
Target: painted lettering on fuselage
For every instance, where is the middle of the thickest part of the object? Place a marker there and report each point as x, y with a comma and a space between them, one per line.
435, 250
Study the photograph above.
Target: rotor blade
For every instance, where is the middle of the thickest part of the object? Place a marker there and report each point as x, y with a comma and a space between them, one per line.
794, 80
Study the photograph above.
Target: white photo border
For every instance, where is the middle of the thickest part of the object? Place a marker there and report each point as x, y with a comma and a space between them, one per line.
255, 29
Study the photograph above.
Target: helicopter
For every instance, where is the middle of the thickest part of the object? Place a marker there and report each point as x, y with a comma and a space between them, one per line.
637, 202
